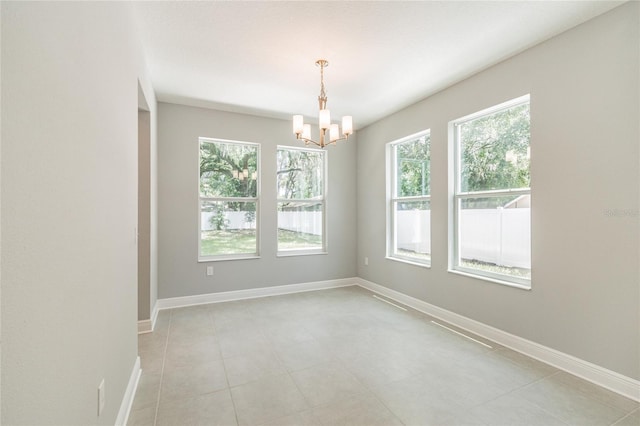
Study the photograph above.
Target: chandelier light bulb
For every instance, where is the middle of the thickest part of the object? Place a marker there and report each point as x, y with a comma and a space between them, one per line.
306, 132
298, 123
334, 133
347, 125
325, 119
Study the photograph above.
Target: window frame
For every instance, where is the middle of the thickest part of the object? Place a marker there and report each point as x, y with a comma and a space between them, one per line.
325, 167
256, 200
393, 198
457, 196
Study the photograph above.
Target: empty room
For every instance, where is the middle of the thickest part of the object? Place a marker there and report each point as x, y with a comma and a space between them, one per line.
320, 213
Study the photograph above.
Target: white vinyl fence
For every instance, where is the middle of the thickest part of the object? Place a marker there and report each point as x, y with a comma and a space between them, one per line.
305, 222
234, 220
500, 236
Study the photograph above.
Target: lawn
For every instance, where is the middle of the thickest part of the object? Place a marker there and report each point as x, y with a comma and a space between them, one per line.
413, 254
289, 240
232, 241
239, 241
497, 269
476, 264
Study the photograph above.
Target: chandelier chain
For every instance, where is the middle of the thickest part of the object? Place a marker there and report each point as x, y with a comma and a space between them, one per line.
322, 99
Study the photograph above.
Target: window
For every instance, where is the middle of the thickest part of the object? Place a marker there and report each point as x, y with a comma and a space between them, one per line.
409, 227
301, 201
492, 195
229, 199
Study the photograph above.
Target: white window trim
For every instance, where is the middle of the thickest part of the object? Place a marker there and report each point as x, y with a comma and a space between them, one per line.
307, 252
392, 198
456, 195
256, 199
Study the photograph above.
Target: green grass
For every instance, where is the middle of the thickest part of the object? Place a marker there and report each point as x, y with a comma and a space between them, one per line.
236, 241
413, 254
475, 264
290, 240
497, 269
243, 241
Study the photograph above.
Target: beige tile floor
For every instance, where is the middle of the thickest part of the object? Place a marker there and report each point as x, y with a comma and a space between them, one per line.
342, 357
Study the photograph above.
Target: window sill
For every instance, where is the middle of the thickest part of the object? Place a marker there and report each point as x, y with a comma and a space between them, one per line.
226, 258
491, 279
292, 253
410, 262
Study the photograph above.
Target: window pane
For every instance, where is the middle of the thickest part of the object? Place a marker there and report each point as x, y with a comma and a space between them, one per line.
300, 226
412, 162
494, 235
300, 174
413, 229
494, 150
228, 169
227, 228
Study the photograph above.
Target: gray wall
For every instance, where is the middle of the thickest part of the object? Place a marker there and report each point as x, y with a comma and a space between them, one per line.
69, 209
144, 215
180, 274
585, 296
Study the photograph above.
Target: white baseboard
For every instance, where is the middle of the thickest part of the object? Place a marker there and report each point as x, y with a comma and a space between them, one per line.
601, 376
227, 296
129, 394
147, 326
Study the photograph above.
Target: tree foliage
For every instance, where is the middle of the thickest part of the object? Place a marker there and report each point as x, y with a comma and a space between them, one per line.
414, 167
495, 151
228, 170
300, 174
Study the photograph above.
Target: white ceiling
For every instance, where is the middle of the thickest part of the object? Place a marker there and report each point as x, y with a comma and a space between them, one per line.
258, 57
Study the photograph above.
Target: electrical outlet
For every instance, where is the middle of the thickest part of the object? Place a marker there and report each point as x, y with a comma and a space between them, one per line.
209, 270
366, 261
101, 397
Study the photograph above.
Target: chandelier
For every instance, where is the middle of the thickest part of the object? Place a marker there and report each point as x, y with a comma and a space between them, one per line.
303, 131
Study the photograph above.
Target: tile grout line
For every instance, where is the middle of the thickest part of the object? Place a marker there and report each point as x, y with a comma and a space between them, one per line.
535, 404
586, 394
288, 372
625, 416
516, 391
369, 389
226, 376
513, 391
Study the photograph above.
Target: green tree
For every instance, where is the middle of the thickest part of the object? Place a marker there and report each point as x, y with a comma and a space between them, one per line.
218, 220
228, 170
495, 151
414, 167
300, 174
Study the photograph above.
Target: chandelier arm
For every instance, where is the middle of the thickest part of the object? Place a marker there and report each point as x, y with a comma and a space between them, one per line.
308, 141
321, 144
